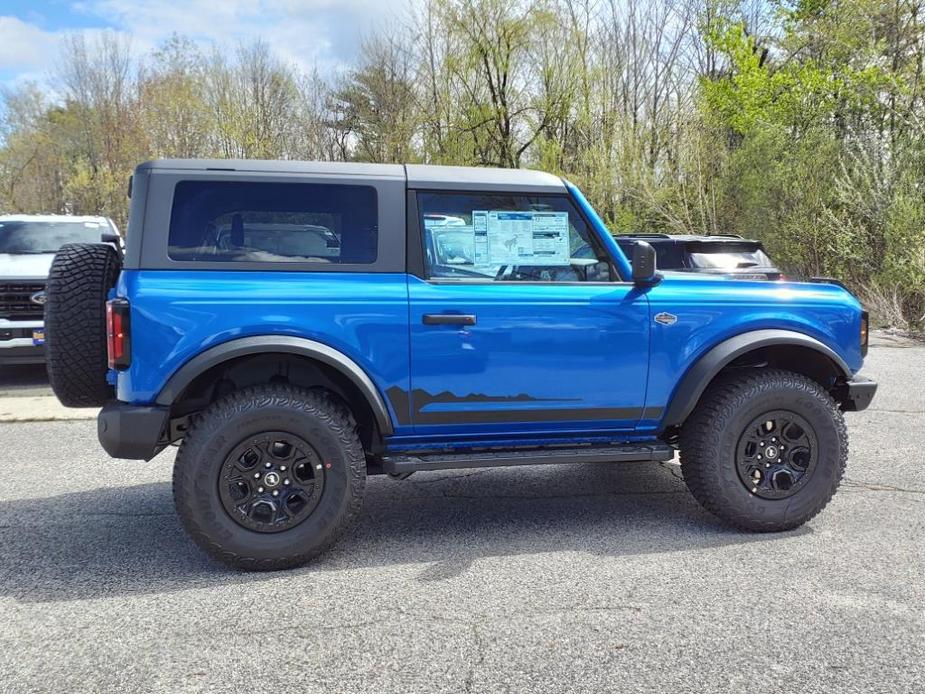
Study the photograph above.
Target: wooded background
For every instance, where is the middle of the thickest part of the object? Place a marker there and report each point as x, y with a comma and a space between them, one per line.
797, 123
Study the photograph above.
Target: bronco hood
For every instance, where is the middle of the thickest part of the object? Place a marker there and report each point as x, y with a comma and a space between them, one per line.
25, 265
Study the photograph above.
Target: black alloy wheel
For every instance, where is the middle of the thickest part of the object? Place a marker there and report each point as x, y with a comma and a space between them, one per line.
777, 454
271, 482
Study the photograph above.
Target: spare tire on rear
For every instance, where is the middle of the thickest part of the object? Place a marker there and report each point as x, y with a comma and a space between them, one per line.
75, 322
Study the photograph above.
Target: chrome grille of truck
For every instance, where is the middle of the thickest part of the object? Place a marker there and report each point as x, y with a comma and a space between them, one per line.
16, 300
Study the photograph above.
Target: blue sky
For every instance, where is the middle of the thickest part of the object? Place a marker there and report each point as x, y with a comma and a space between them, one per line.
308, 33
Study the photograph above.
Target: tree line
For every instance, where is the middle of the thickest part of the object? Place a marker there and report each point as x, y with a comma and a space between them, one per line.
797, 122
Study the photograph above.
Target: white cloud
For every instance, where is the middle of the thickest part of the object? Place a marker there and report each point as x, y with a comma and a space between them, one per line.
29, 52
24, 46
322, 33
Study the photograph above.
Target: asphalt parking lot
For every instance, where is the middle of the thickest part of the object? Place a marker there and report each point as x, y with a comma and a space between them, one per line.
586, 578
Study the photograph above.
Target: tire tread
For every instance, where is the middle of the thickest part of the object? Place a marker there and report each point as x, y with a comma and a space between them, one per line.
75, 322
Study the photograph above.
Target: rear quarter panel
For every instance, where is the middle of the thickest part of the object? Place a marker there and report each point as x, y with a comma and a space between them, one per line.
177, 315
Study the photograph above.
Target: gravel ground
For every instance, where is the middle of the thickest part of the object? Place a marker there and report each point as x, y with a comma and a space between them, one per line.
586, 578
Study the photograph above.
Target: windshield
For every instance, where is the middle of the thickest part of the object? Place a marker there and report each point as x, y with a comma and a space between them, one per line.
45, 237
731, 260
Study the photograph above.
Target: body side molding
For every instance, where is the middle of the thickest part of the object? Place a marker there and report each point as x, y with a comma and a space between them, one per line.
698, 376
262, 344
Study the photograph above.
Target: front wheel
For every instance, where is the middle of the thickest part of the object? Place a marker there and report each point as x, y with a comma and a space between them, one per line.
765, 450
269, 477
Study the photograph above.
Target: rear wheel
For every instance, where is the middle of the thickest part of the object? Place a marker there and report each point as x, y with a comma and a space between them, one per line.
765, 450
79, 281
270, 477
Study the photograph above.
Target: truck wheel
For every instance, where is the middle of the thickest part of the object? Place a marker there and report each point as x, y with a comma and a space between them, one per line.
79, 281
270, 477
765, 450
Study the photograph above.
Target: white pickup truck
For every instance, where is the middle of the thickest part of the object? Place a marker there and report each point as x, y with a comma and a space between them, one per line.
28, 244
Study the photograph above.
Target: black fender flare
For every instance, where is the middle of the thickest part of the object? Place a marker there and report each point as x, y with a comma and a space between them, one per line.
287, 344
705, 369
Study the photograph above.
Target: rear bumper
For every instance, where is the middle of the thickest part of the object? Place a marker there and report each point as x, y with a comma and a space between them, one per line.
136, 432
857, 394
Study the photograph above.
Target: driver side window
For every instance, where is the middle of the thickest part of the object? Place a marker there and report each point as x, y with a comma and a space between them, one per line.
508, 237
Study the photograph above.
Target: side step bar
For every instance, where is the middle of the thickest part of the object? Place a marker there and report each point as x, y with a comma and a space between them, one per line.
623, 453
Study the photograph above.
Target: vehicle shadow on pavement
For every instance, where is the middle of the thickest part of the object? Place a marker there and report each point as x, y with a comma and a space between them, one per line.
127, 540
23, 377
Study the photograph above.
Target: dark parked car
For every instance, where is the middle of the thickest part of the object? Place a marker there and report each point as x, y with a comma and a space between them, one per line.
722, 254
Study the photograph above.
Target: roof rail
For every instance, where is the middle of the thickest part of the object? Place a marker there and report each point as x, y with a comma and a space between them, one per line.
645, 236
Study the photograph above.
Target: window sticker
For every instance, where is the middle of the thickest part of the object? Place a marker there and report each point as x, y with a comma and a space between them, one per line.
510, 238
480, 241
499, 238
551, 238
520, 238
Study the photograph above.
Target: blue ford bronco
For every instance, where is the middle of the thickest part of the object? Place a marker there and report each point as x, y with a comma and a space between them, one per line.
297, 326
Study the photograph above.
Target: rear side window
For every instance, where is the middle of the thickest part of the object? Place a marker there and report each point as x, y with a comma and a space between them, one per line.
669, 256
231, 221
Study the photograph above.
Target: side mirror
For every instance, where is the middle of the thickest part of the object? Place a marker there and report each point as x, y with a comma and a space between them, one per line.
644, 272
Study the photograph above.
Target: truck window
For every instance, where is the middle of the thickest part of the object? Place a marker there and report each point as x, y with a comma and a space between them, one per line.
508, 237
235, 221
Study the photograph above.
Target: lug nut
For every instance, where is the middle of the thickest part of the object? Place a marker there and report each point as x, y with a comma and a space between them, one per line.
256, 475
283, 468
285, 481
267, 465
260, 489
275, 493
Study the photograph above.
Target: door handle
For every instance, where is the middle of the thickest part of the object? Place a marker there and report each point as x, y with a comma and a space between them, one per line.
449, 319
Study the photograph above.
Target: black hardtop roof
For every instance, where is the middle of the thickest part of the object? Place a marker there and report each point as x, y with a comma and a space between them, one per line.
422, 176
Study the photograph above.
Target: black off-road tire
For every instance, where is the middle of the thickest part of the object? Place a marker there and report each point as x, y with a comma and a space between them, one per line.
710, 440
313, 415
75, 322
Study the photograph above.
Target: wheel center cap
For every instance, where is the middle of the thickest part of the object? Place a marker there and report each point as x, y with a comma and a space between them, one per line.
271, 479
771, 451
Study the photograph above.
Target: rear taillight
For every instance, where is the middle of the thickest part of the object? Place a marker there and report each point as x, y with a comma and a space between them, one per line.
118, 342
865, 332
